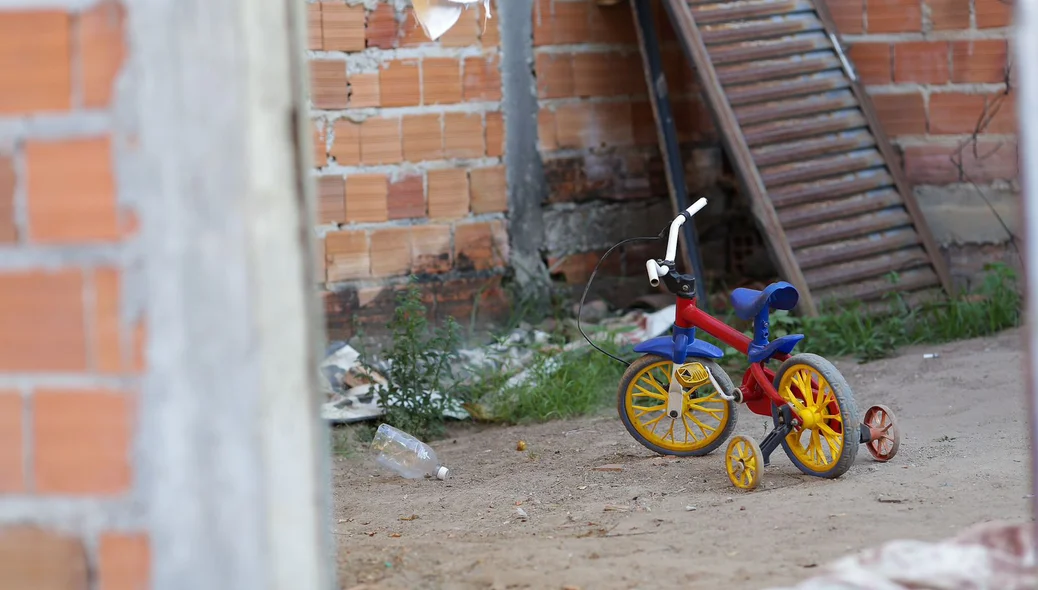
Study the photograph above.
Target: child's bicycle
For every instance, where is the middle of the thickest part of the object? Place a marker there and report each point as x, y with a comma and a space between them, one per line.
676, 399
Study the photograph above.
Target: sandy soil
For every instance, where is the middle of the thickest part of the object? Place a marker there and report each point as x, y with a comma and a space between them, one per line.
963, 460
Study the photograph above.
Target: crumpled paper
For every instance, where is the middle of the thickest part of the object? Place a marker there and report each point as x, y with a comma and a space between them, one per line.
438, 16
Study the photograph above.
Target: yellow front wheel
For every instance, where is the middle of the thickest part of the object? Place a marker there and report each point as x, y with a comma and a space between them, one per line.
744, 462
825, 442
706, 419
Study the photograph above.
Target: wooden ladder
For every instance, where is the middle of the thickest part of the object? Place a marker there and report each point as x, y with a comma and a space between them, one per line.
803, 138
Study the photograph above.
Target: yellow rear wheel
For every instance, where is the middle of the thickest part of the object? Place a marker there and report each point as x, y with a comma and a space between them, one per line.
825, 442
705, 422
744, 462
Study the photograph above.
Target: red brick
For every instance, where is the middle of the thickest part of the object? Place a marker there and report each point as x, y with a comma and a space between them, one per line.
572, 23
314, 41
347, 255
947, 15
331, 199
924, 62
107, 322
463, 135
584, 125
320, 146
41, 322
547, 138
406, 198
989, 160
901, 114
8, 227
380, 141
954, 112
895, 16
390, 252
542, 23
413, 34
400, 85
993, 14
480, 246
365, 90
124, 561
441, 81
554, 75
383, 29
39, 559
71, 188
346, 146
1001, 114
872, 62
930, 164
101, 50
595, 74
490, 35
611, 25
366, 198
482, 79
495, 134
979, 61
465, 32
35, 61
12, 449
422, 137
848, 15
488, 190
643, 124
328, 89
342, 26
82, 441
431, 249
448, 193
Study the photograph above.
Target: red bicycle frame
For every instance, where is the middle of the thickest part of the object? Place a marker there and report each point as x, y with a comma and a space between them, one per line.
757, 389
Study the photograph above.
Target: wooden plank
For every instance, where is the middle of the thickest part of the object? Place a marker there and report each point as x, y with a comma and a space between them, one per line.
855, 249
851, 184
910, 281
738, 152
717, 12
918, 219
819, 168
850, 227
866, 267
790, 129
773, 69
768, 49
832, 209
800, 106
794, 151
745, 94
760, 29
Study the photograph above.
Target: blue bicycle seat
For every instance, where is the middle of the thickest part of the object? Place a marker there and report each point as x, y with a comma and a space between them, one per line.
749, 302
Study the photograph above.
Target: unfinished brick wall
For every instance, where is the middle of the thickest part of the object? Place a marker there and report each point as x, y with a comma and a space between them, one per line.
938, 74
408, 142
597, 136
71, 340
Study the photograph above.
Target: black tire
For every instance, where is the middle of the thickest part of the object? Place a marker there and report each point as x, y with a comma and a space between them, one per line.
646, 362
848, 410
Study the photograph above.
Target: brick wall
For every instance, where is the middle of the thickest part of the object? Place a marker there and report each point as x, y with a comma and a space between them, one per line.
71, 338
937, 71
408, 141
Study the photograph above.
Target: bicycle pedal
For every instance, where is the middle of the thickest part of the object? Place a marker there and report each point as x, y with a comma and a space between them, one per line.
693, 375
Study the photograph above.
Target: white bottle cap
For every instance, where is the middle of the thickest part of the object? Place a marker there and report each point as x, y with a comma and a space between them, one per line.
441, 473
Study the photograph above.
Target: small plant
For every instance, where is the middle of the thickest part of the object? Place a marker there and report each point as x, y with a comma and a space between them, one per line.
420, 370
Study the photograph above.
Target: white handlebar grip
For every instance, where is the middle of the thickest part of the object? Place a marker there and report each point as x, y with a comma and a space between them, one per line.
654, 277
697, 206
672, 239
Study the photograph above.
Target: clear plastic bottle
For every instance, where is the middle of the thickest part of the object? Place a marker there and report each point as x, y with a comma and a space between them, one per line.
405, 454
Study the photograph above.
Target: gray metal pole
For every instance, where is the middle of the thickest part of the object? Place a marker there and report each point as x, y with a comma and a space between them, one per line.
1025, 44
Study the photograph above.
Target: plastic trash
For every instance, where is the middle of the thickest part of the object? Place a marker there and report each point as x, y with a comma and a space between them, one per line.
405, 454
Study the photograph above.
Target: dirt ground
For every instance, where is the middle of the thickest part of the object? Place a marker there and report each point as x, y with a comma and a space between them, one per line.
963, 460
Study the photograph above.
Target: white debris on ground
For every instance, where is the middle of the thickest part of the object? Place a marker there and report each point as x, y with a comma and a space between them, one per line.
350, 388
995, 556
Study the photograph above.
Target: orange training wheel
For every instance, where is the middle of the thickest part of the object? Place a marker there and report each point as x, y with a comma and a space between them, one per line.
886, 438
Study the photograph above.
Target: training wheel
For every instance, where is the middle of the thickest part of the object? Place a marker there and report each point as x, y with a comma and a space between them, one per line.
743, 461
886, 438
